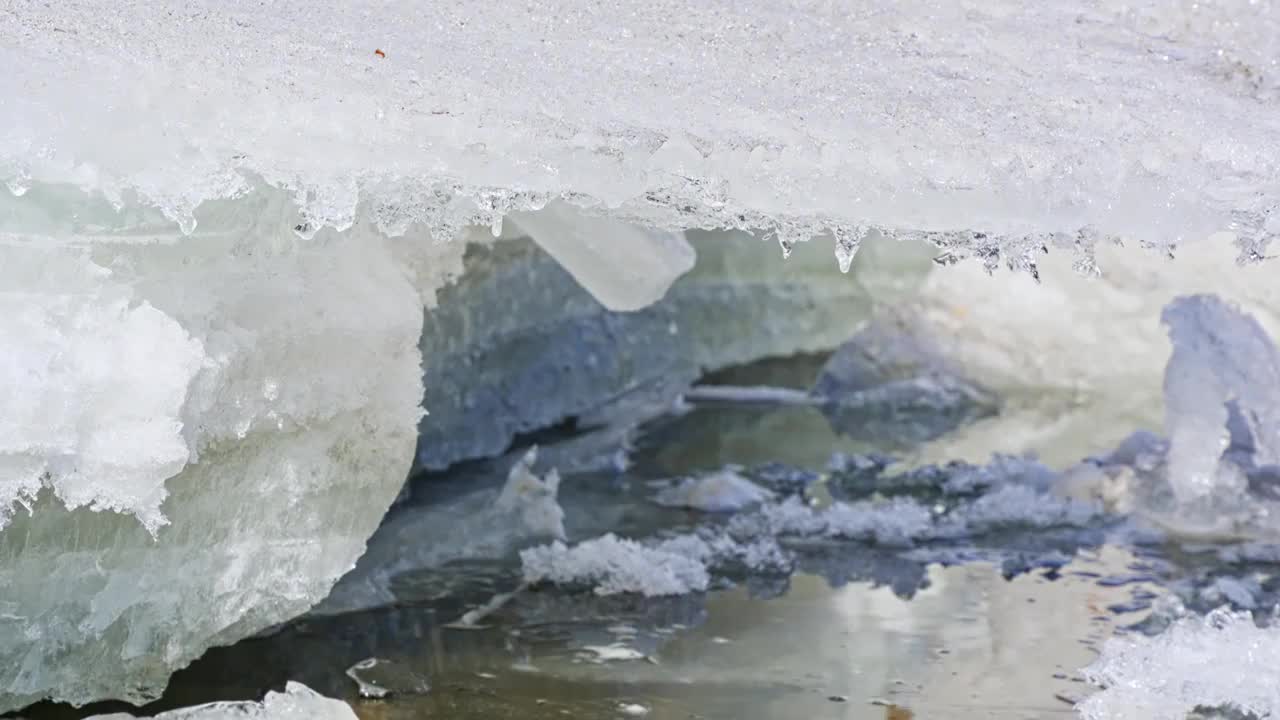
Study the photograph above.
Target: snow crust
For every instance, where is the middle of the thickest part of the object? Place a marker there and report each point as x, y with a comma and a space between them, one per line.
1153, 121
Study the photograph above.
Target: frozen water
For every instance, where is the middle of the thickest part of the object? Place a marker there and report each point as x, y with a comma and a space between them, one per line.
1223, 660
86, 408
673, 566
297, 702
1007, 494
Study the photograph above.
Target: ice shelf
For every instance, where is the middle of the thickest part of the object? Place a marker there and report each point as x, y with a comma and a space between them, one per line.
220, 223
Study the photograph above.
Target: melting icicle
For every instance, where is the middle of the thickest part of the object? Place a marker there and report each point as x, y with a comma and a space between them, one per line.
847, 244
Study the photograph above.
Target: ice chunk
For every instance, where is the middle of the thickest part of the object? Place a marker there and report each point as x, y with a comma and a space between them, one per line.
240, 395
1216, 474
1223, 660
720, 491
530, 501
1220, 356
297, 702
890, 377
625, 267
378, 678
615, 565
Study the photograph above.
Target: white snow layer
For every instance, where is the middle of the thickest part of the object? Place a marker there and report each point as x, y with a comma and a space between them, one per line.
1091, 118
1220, 661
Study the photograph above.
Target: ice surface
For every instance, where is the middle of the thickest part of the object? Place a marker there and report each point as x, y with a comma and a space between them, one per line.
1006, 494
1223, 660
297, 702
1154, 120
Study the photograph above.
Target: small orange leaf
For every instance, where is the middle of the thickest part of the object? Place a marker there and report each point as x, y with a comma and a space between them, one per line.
379, 53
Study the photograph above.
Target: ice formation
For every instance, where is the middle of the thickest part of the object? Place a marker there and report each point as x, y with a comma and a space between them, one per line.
623, 266
206, 434
217, 236
1221, 661
1215, 474
297, 702
1223, 363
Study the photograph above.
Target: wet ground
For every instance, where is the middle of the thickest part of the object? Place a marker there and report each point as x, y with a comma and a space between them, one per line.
990, 626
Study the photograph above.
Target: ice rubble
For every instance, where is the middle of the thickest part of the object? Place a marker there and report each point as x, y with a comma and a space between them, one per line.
297, 702
1008, 493
1221, 661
